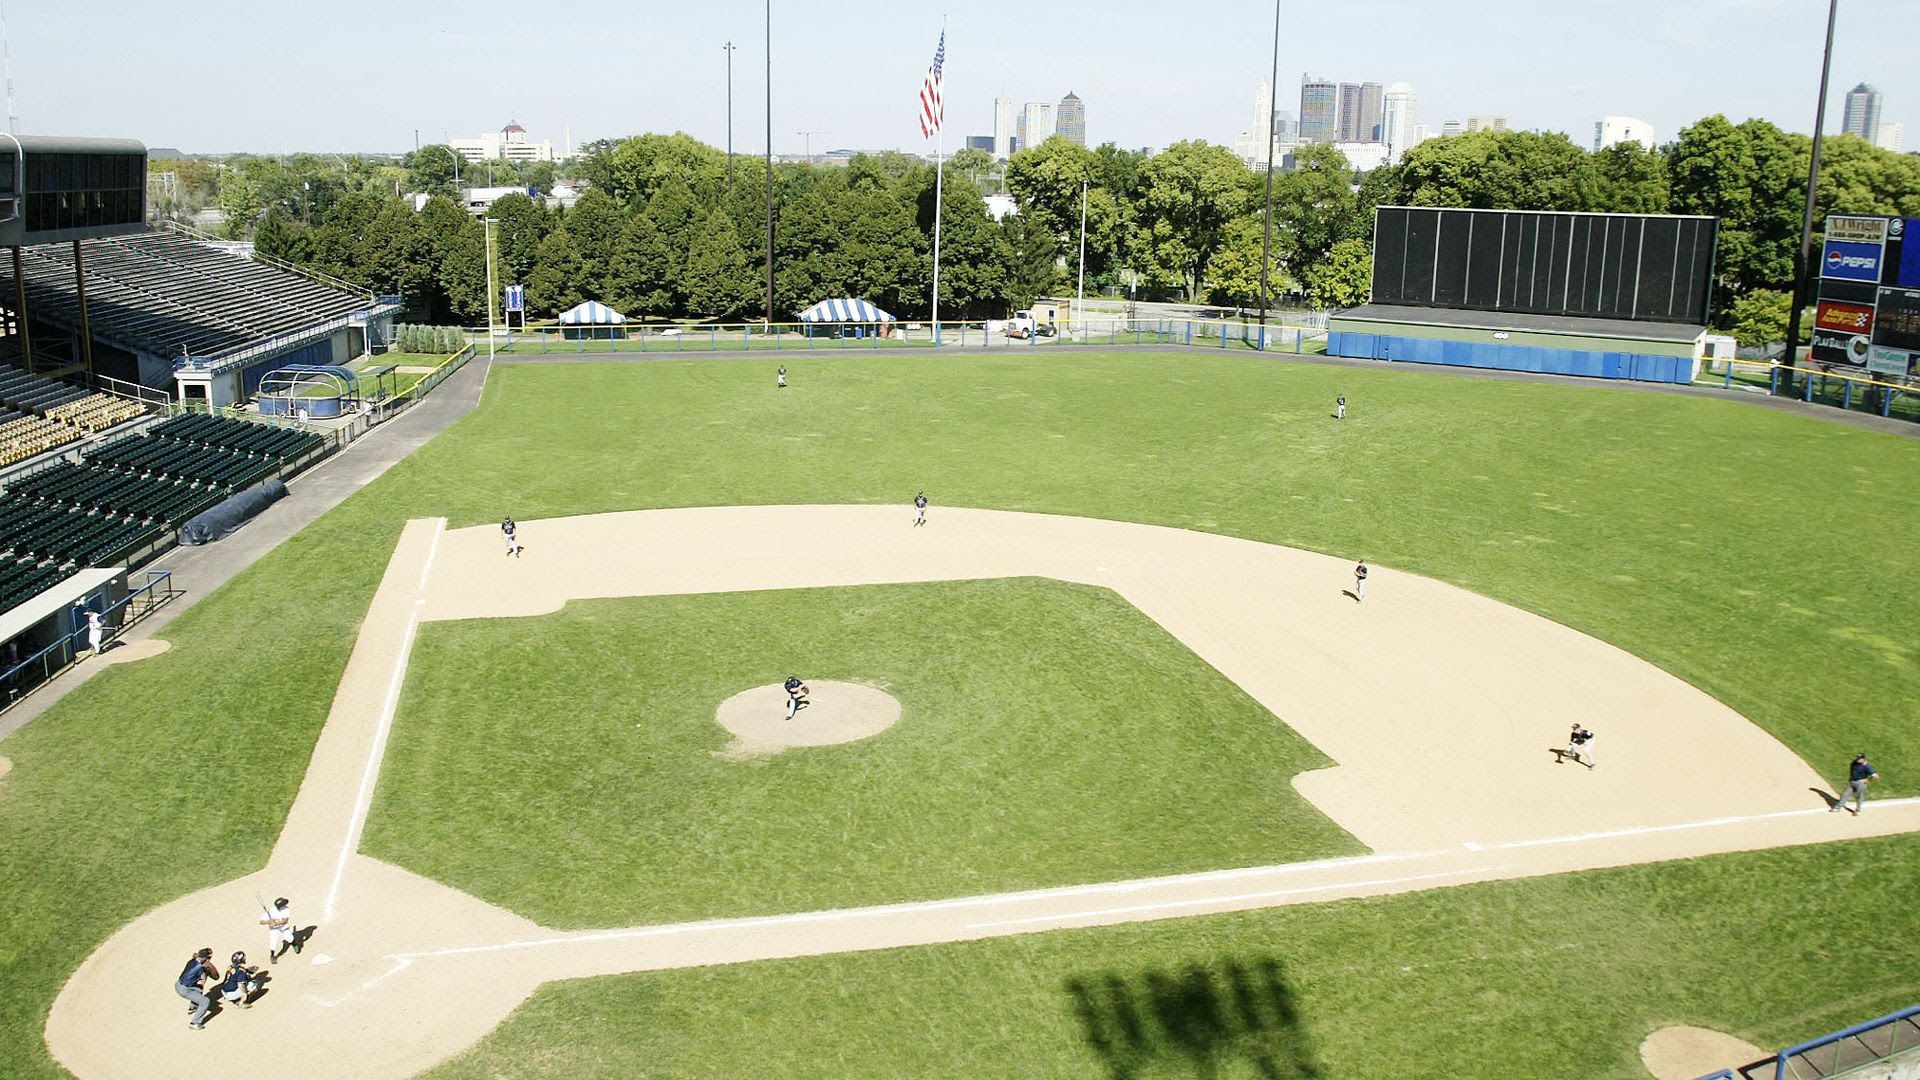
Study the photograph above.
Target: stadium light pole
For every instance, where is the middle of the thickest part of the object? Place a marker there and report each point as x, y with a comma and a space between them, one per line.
486, 226
729, 48
1803, 257
1266, 232
769, 163
1080, 291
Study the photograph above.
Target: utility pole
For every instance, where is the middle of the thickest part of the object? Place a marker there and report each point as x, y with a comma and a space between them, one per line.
808, 135
729, 48
1080, 292
1804, 256
1266, 233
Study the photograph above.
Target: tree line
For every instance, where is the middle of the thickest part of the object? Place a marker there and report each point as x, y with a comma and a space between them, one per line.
658, 230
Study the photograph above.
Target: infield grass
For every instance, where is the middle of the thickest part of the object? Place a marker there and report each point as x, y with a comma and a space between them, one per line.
1050, 734
1767, 558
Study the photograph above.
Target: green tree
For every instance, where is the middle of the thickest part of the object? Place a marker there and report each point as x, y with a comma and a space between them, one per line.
646, 279
1032, 267
431, 169
1313, 206
1045, 180
520, 225
1752, 176
1759, 318
973, 257
973, 163
1509, 170
1343, 279
1633, 180
719, 283
1857, 177
632, 170
456, 251
1233, 275
594, 223
554, 284
279, 238
1193, 189
394, 257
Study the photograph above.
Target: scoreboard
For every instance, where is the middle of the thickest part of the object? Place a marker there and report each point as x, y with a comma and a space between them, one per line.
1868, 313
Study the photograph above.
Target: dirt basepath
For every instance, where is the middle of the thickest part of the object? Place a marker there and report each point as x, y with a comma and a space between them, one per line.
1440, 707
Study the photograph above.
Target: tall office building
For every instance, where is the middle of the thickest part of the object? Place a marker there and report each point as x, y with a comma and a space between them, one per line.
1609, 130
1003, 133
1863, 113
1891, 136
1071, 119
1359, 119
1036, 124
1319, 110
1399, 119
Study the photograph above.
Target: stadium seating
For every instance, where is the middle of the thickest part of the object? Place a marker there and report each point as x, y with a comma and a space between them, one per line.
127, 493
161, 294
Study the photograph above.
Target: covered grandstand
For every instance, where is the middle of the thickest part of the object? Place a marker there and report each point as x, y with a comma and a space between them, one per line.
171, 312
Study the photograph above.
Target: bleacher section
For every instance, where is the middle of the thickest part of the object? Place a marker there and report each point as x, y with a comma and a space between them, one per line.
159, 294
129, 493
38, 413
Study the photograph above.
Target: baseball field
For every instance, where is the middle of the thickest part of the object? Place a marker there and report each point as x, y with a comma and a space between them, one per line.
1161, 798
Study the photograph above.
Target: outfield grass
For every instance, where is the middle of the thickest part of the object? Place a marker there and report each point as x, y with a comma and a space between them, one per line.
1051, 734
1767, 558
1557, 977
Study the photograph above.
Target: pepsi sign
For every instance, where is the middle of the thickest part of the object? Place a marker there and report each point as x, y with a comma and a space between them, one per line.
1851, 261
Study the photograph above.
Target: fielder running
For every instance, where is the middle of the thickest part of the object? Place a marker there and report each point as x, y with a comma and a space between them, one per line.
512, 532
1579, 746
920, 509
1360, 581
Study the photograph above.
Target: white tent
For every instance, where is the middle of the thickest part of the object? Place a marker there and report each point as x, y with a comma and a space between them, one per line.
591, 313
844, 311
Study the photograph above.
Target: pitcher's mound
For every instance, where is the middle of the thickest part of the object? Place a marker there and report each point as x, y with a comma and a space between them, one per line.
1682, 1053
837, 712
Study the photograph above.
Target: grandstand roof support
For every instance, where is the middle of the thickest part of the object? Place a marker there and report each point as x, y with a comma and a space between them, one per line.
20, 308
80, 285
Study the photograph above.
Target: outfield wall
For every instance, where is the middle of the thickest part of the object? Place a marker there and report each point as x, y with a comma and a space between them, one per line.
1547, 354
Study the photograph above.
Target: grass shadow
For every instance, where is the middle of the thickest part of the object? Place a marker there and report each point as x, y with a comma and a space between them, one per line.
1206, 1020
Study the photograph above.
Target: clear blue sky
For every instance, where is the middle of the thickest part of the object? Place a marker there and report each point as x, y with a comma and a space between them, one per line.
221, 75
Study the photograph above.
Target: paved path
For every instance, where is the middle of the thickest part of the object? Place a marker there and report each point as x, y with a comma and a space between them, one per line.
1438, 705
200, 570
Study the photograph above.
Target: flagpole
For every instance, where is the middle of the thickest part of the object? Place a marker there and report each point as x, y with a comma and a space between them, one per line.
939, 176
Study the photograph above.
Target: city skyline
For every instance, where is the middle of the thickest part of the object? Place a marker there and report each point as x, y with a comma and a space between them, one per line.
1556, 70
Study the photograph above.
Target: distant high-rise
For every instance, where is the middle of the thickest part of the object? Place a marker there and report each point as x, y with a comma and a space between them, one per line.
1319, 110
1486, 123
1609, 130
1071, 119
1399, 120
1003, 133
1891, 136
1451, 127
1863, 113
980, 142
1036, 123
1359, 115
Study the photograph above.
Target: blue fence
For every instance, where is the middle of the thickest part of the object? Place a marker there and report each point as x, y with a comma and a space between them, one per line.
1640, 367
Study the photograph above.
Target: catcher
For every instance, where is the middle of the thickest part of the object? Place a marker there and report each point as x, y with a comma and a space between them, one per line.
241, 983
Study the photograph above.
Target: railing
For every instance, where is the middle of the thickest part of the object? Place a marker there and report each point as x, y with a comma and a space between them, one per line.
994, 334
132, 391
385, 409
39, 669
1876, 393
1850, 1051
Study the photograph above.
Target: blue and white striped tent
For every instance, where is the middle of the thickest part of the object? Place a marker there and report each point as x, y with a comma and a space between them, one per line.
591, 313
844, 311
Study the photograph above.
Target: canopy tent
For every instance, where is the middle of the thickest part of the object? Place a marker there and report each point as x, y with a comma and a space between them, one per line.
844, 311
591, 313
585, 320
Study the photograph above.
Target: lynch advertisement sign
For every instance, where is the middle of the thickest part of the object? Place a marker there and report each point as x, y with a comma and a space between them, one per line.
1857, 230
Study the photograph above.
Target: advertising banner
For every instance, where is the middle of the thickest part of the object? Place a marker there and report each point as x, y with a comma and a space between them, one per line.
1884, 360
1844, 318
1851, 261
1858, 230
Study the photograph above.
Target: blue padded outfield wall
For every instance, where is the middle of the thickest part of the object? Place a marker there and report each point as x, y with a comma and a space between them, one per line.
1598, 365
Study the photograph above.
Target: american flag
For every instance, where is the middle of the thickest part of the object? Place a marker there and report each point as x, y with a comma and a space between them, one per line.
933, 109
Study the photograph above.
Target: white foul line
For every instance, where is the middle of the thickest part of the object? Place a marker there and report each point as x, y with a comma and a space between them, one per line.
364, 800
1644, 830
398, 967
439, 526
1208, 901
